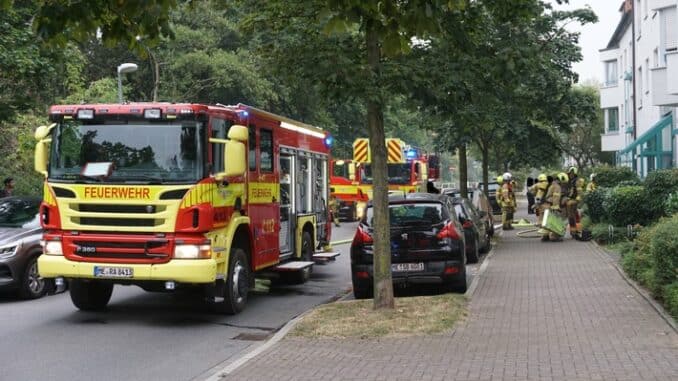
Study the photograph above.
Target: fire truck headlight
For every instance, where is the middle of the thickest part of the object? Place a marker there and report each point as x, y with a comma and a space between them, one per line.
52, 248
192, 252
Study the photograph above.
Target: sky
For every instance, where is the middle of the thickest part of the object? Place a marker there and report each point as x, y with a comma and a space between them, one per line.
593, 36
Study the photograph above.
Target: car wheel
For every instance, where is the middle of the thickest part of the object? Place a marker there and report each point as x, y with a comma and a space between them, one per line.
90, 295
473, 257
237, 283
362, 290
459, 285
33, 286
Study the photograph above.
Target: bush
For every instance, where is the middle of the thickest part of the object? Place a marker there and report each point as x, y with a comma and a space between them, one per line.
602, 234
664, 250
670, 296
672, 204
613, 176
594, 202
659, 185
627, 205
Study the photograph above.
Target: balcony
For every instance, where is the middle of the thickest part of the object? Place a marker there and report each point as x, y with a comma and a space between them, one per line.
664, 83
657, 4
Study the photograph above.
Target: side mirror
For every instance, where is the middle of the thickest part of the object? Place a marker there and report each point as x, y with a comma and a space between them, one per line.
238, 132
234, 159
42, 131
41, 155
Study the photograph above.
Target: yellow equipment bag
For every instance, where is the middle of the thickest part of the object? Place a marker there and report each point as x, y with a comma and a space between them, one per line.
553, 223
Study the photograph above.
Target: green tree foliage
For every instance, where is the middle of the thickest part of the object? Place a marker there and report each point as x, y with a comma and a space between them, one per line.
31, 75
583, 115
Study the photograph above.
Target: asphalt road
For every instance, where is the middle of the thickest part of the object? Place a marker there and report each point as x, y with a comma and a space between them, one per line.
152, 336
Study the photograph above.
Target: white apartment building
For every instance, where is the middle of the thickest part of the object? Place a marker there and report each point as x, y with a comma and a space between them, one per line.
639, 94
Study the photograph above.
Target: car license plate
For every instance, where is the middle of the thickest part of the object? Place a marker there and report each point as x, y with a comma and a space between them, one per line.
113, 272
399, 267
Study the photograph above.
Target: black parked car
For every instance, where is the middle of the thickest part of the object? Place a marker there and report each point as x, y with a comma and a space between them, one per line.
480, 201
20, 235
478, 237
493, 186
427, 244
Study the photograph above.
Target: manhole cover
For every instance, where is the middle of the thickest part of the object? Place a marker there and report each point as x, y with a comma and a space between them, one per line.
251, 337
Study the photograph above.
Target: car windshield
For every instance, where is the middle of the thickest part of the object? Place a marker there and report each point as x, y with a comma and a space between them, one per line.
397, 173
131, 152
412, 214
19, 213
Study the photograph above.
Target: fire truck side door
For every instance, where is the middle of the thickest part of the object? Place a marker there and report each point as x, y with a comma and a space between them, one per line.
286, 202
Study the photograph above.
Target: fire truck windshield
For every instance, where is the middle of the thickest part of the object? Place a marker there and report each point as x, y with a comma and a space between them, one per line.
398, 173
138, 152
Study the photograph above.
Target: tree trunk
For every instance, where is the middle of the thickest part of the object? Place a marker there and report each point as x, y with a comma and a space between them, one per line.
463, 171
383, 283
486, 158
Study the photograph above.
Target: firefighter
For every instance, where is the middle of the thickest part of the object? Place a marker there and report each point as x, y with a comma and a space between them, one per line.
508, 202
538, 190
552, 203
334, 209
592, 185
575, 191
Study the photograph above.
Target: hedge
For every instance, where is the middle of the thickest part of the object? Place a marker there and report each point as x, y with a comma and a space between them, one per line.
613, 176
628, 205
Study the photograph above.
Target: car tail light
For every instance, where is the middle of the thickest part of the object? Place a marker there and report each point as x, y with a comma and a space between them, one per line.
467, 224
449, 231
361, 236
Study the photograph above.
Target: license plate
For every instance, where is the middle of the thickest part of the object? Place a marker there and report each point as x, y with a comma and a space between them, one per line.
399, 267
113, 272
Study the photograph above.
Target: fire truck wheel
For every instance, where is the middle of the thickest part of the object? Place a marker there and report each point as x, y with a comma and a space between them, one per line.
90, 295
304, 275
237, 283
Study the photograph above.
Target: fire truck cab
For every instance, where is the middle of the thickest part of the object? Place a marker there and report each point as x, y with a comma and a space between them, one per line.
344, 186
167, 196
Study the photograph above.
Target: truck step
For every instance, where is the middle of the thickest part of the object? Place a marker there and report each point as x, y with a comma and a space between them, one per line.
325, 256
293, 266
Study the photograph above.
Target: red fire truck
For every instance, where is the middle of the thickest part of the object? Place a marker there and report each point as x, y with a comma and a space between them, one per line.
408, 167
344, 185
167, 196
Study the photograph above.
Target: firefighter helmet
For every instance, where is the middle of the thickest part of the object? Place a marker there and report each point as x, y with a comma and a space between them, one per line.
500, 179
572, 170
593, 176
542, 177
562, 177
506, 176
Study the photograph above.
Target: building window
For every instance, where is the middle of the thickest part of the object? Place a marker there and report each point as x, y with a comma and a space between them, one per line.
647, 76
611, 73
640, 20
640, 86
612, 119
668, 33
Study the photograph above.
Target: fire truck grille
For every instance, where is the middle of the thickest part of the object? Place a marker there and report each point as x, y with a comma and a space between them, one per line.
104, 221
108, 208
124, 250
111, 215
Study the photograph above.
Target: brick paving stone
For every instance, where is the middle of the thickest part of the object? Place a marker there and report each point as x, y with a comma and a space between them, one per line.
541, 311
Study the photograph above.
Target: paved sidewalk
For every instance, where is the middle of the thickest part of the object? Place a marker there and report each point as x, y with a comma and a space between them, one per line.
541, 311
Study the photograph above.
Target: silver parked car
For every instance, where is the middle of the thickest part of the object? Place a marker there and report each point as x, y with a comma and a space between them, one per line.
20, 235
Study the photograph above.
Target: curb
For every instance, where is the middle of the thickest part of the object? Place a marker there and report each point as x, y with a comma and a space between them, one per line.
341, 242
282, 332
638, 288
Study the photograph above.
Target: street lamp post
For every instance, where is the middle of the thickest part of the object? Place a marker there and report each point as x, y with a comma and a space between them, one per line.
123, 69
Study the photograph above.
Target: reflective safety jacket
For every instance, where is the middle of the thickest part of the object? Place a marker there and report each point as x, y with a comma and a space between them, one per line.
507, 198
553, 195
591, 187
575, 188
539, 191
